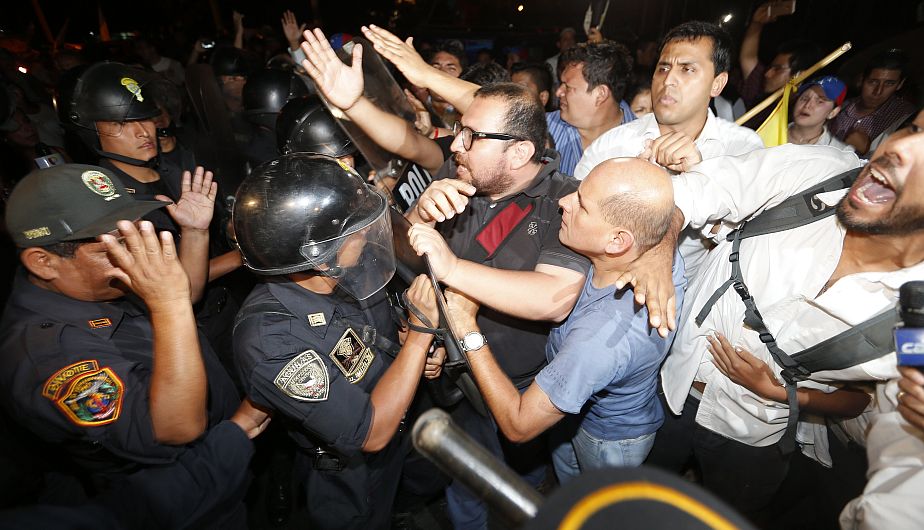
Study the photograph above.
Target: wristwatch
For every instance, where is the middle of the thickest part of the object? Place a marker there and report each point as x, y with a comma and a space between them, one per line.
473, 341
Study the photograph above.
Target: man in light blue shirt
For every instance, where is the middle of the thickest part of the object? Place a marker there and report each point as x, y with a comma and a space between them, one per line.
604, 359
593, 83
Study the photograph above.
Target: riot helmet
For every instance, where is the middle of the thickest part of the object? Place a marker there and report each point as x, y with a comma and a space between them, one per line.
229, 61
267, 91
306, 126
305, 212
109, 92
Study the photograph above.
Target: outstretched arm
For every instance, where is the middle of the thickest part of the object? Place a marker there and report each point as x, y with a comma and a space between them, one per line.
521, 417
342, 85
459, 93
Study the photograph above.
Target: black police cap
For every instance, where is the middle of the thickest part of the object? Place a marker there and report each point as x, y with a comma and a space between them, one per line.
68, 202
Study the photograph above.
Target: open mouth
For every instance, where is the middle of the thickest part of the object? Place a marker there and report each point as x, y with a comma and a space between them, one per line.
873, 188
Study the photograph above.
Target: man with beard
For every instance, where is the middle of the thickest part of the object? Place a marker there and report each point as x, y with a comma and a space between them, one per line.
810, 283
496, 204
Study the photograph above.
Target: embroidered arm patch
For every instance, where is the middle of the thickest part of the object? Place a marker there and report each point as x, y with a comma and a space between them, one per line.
304, 378
92, 398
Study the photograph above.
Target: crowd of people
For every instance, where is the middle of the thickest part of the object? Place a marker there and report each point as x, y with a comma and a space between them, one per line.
217, 293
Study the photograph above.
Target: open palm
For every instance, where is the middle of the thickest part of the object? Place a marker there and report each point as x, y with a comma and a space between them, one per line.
340, 84
197, 200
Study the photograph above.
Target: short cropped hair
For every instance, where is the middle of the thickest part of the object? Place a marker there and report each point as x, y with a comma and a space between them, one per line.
539, 73
485, 73
695, 29
631, 210
604, 63
892, 59
452, 47
524, 117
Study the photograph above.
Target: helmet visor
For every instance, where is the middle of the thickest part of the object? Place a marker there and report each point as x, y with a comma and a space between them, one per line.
362, 260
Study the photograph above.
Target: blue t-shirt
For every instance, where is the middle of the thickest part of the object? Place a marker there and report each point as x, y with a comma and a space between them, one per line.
604, 361
568, 140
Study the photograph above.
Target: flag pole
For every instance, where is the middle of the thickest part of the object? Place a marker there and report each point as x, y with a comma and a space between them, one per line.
798, 78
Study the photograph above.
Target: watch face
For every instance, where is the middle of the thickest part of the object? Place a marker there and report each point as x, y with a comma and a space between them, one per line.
473, 341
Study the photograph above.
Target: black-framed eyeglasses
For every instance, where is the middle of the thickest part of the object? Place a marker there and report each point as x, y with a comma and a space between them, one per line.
469, 135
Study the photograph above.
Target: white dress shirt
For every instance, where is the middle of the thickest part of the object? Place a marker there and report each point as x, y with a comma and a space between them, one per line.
892, 496
718, 137
784, 272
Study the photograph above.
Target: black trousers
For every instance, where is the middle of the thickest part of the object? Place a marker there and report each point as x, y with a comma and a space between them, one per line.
744, 476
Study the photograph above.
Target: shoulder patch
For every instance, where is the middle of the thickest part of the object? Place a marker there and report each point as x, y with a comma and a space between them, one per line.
93, 398
60, 378
351, 356
304, 378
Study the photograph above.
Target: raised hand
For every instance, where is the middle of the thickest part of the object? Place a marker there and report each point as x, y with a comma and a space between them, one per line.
401, 53
147, 265
291, 28
443, 199
197, 200
342, 85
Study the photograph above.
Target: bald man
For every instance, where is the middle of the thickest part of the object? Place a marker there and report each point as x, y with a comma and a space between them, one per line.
603, 360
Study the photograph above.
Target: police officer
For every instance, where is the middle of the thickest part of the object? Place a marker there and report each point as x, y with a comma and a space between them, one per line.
110, 111
102, 359
316, 342
264, 95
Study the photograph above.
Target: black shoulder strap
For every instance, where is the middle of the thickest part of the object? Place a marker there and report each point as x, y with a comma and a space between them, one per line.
497, 231
798, 210
866, 341
273, 307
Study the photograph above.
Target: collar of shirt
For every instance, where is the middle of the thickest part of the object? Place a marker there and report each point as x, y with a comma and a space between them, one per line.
540, 184
302, 302
104, 316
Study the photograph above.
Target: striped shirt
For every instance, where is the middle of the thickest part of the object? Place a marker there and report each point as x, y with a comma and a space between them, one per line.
568, 140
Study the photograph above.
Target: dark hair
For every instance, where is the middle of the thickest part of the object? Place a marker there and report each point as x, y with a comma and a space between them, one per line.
605, 63
452, 47
485, 73
892, 59
640, 85
539, 73
636, 212
802, 54
696, 29
524, 117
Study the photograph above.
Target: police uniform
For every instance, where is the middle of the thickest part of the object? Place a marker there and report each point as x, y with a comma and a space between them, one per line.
315, 360
77, 375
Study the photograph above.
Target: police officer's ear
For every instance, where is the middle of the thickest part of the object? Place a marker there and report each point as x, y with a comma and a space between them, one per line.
619, 241
41, 263
718, 84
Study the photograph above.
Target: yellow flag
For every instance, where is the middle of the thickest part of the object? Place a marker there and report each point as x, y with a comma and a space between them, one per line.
774, 130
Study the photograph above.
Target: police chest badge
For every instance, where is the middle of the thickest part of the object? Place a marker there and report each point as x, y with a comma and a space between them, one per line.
92, 398
351, 356
304, 378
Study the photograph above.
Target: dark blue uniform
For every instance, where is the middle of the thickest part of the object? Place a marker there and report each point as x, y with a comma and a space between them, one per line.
192, 492
77, 375
314, 359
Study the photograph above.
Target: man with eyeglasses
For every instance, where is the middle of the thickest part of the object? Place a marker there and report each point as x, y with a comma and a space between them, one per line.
496, 204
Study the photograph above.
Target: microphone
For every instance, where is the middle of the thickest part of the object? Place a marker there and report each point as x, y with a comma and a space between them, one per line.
909, 335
